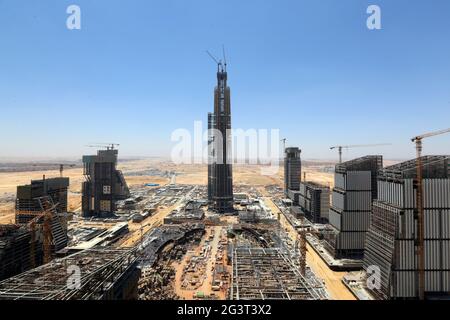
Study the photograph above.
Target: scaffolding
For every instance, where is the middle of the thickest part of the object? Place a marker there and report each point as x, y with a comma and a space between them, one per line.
268, 273
101, 272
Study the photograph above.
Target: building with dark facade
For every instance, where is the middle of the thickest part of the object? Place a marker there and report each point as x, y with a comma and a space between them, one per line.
27, 197
292, 169
220, 171
392, 238
104, 185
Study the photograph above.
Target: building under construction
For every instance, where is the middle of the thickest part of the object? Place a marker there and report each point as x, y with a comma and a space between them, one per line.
27, 199
355, 186
42, 205
268, 273
104, 185
220, 170
314, 200
392, 240
100, 274
292, 169
16, 254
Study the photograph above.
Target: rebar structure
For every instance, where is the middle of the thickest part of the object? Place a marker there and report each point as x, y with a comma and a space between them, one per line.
101, 271
268, 273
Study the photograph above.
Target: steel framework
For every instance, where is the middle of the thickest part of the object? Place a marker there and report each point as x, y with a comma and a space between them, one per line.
268, 273
99, 269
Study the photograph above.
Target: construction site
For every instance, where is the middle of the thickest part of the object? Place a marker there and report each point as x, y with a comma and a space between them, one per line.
105, 229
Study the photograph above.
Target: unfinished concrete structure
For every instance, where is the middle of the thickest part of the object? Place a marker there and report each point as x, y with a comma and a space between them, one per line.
104, 184
268, 273
292, 169
392, 238
15, 250
220, 170
314, 200
103, 274
354, 189
38, 197
27, 198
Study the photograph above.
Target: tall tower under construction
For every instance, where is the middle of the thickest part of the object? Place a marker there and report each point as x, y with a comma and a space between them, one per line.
104, 184
220, 176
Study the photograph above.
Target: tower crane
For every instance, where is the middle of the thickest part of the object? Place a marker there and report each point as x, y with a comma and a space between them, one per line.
284, 144
356, 146
108, 146
420, 217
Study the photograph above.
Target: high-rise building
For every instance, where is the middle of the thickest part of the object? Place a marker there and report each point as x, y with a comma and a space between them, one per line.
392, 239
104, 184
220, 175
355, 188
292, 169
314, 200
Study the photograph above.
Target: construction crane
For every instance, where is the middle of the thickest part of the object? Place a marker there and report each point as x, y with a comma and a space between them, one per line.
108, 146
48, 209
284, 144
356, 146
420, 216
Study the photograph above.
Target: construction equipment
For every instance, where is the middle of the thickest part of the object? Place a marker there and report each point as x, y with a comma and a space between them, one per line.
420, 211
284, 144
47, 213
356, 146
108, 146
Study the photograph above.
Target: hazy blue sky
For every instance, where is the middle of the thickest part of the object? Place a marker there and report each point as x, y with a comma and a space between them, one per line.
137, 70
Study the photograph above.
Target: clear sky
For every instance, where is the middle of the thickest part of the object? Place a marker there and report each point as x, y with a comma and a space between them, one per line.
137, 70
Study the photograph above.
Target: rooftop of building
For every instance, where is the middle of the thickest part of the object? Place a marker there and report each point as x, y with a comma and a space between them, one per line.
433, 167
366, 163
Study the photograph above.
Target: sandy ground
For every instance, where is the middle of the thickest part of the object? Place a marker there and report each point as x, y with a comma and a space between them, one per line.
186, 174
10, 180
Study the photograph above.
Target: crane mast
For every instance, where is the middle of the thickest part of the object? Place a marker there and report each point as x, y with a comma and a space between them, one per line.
420, 210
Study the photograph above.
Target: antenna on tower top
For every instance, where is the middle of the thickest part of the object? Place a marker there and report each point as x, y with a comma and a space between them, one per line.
224, 57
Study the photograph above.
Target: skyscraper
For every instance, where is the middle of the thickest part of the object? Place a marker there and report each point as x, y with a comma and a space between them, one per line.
220, 176
292, 169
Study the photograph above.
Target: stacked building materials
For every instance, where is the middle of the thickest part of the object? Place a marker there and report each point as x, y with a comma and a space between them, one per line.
292, 169
392, 240
354, 189
314, 200
104, 185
